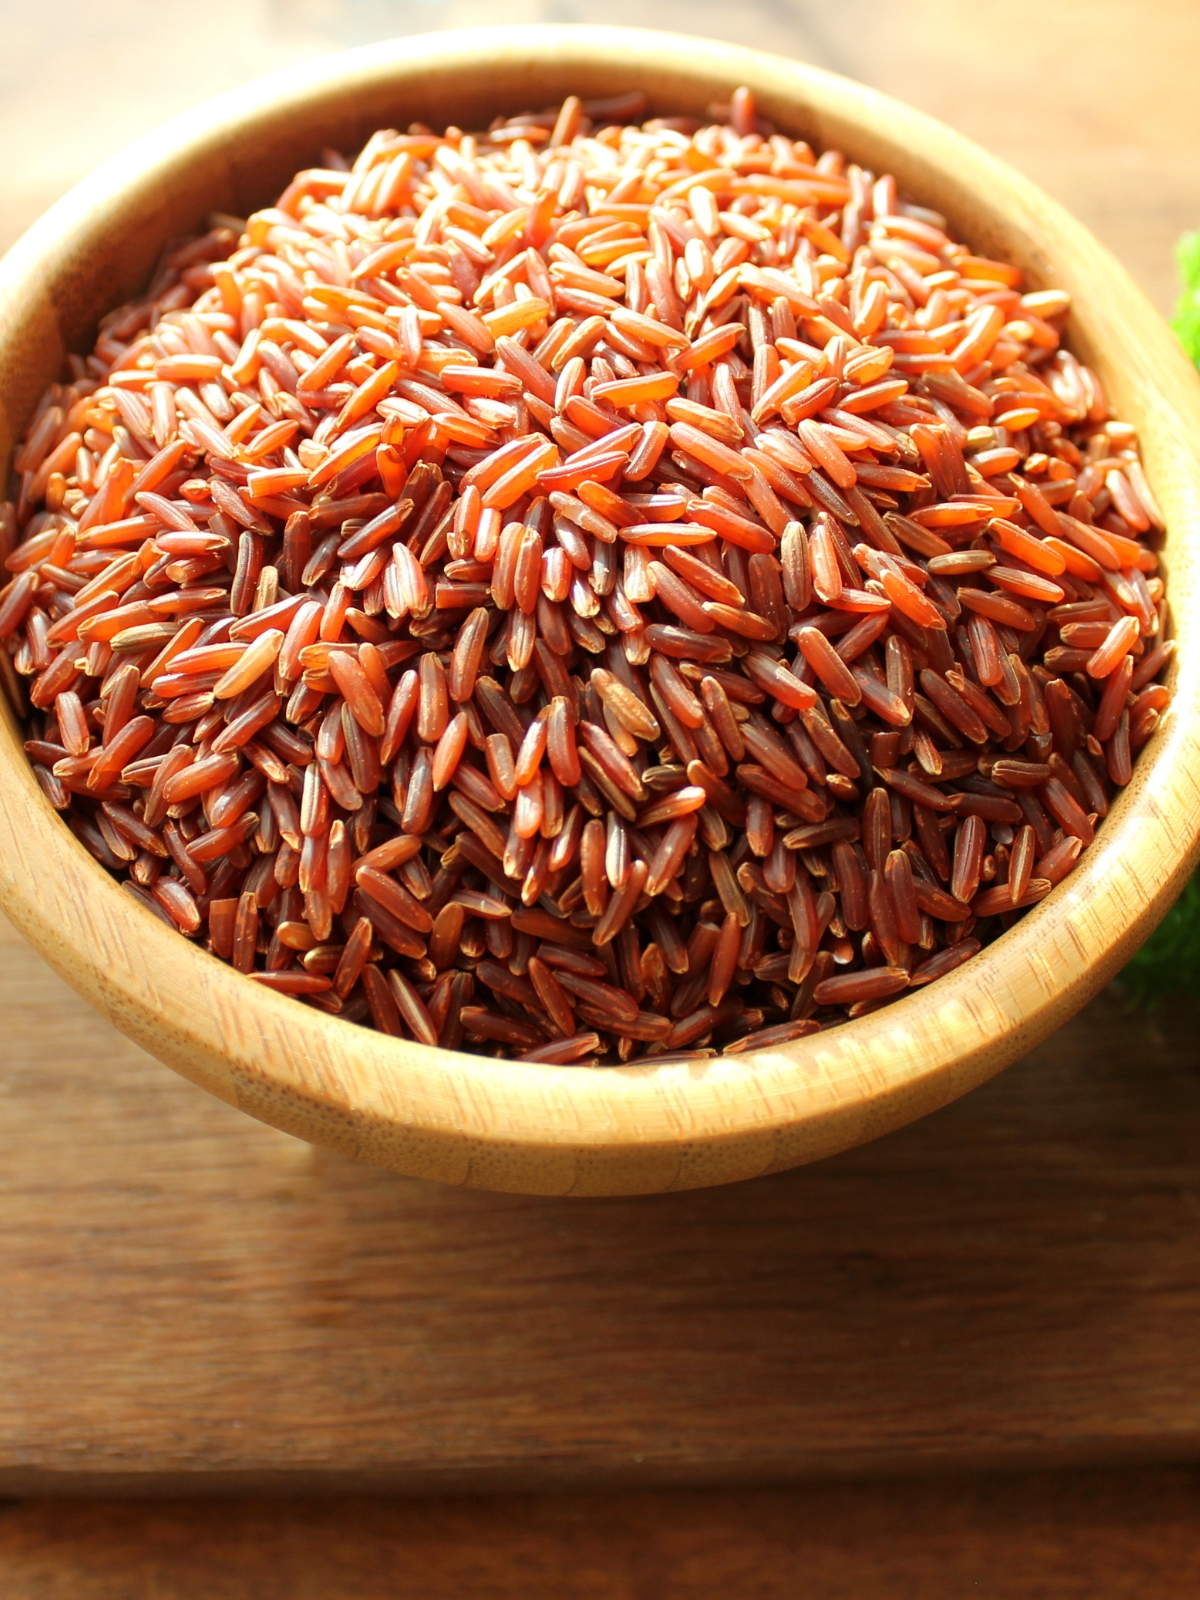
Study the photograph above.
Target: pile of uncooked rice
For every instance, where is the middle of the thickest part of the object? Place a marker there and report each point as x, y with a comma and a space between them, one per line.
584, 591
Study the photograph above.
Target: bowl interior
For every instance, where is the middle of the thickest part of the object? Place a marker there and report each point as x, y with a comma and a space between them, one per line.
518, 1126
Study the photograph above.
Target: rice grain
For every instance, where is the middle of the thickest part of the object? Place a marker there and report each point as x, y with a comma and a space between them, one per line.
585, 623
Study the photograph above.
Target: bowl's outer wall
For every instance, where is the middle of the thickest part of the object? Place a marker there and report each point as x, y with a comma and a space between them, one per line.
526, 1128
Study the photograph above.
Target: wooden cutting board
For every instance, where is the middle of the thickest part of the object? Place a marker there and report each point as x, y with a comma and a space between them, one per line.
193, 1300
189, 1299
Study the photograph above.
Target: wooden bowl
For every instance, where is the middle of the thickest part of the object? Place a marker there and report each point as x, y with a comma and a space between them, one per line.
557, 1130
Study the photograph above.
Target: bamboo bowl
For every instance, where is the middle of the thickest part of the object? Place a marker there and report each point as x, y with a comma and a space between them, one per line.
554, 1130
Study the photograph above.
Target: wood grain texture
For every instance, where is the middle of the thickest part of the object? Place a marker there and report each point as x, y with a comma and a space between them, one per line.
1095, 1536
519, 1127
194, 1302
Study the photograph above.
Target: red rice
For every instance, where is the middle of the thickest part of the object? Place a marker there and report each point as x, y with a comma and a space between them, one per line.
585, 592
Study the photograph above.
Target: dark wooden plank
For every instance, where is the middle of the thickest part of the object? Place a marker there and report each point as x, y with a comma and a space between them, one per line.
1118, 1536
194, 1296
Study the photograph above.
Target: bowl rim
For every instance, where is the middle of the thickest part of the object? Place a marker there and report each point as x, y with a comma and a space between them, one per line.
548, 1129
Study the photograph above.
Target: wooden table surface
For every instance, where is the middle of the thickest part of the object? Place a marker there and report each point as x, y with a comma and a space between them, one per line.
191, 1301
197, 1301
1090, 1536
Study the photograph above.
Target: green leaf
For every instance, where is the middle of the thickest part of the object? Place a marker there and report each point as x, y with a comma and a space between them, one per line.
1187, 314
1170, 958
1187, 255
